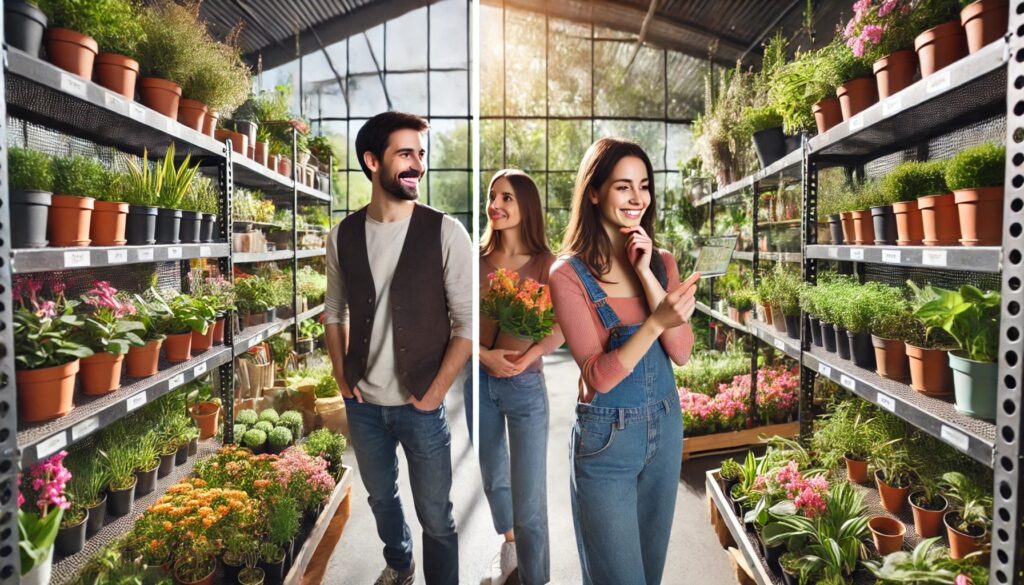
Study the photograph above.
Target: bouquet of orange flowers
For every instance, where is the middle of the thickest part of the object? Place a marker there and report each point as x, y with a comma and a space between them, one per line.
522, 308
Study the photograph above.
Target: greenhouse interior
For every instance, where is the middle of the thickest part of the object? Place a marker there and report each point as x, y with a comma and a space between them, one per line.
800, 207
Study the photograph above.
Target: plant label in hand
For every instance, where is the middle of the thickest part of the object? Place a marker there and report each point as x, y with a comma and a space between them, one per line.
714, 257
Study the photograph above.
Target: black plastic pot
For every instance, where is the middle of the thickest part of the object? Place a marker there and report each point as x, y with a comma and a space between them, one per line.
145, 481
275, 449
816, 331
119, 502
793, 142
884, 221
231, 571
191, 227
835, 229
166, 464
828, 336
209, 228
30, 211
304, 345
289, 554
789, 578
273, 572
770, 145
772, 554
141, 228
193, 446
181, 455
23, 26
97, 516
168, 226
863, 350
71, 539
272, 315
842, 343
793, 326
246, 127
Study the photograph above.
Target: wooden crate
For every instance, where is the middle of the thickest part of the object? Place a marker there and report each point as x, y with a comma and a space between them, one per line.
719, 442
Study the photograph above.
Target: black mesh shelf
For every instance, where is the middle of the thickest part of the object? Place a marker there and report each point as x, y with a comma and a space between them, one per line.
779, 341
976, 259
93, 413
249, 173
252, 335
26, 260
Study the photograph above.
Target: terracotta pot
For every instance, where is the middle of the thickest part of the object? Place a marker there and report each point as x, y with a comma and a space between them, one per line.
894, 72
940, 46
206, 415
71, 50
929, 370
827, 113
262, 152
192, 113
909, 227
178, 347
506, 340
101, 373
207, 580
939, 220
856, 470
284, 166
70, 220
117, 73
890, 358
849, 231
767, 314
863, 228
960, 544
893, 498
161, 95
239, 141
272, 162
46, 393
778, 319
856, 95
210, 122
109, 221
887, 532
202, 341
986, 205
927, 523
984, 22
218, 331
144, 361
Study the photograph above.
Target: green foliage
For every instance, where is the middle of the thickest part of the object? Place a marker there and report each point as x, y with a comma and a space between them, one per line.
36, 536
892, 318
970, 316
922, 335
113, 24
172, 35
754, 120
847, 430
270, 415
328, 445
246, 417
327, 387
311, 329
202, 196
843, 65
218, 76
781, 288
264, 425
117, 452
801, 83
705, 371
238, 431
254, 438
723, 144
311, 283
731, 469
279, 436
255, 294
29, 170
283, 521
871, 194
46, 338
161, 184
88, 478
971, 499
931, 13
911, 180
977, 167
841, 197
81, 176
741, 300
292, 420
928, 564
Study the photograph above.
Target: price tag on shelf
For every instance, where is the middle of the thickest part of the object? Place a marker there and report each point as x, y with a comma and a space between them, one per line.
136, 401
887, 402
72, 84
933, 257
52, 445
84, 428
176, 381
117, 256
199, 370
856, 253
891, 256
76, 259
833, 252
114, 102
146, 254
174, 252
955, 438
136, 112
847, 382
857, 122
824, 370
779, 345
938, 81
253, 341
892, 105
205, 251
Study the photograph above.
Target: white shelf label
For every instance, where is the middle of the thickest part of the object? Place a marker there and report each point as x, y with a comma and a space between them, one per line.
887, 402
114, 101
76, 259
72, 84
199, 370
84, 428
779, 345
174, 252
824, 370
146, 254
857, 122
955, 438
933, 257
136, 401
847, 382
205, 251
891, 256
856, 253
136, 112
171, 126
892, 105
117, 256
176, 381
253, 341
52, 445
833, 252
938, 81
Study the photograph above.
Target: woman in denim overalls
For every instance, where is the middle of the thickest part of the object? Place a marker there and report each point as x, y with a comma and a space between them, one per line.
622, 328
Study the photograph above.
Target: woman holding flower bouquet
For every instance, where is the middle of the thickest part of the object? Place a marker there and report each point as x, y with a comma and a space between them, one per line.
517, 329
625, 315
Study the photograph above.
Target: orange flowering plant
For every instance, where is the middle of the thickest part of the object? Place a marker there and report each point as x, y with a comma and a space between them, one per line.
520, 307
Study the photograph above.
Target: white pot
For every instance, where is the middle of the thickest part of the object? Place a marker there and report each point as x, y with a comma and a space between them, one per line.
40, 574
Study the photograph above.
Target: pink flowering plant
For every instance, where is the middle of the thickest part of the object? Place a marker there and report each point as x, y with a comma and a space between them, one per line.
305, 478
728, 410
46, 331
879, 28
108, 325
785, 491
41, 505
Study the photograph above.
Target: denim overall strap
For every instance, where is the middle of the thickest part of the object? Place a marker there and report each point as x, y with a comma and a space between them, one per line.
597, 296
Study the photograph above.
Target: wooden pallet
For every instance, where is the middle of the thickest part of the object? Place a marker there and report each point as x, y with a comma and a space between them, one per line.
722, 442
330, 531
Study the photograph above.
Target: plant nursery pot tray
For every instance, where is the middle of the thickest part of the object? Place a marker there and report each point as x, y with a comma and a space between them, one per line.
710, 444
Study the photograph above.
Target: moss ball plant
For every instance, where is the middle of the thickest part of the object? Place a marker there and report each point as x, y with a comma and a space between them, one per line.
246, 417
270, 415
977, 167
239, 431
279, 437
913, 179
254, 438
292, 420
264, 425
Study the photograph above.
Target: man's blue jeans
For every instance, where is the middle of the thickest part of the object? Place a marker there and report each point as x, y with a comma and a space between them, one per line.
376, 433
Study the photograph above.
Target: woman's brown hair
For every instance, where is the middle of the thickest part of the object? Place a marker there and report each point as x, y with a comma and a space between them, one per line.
585, 237
531, 228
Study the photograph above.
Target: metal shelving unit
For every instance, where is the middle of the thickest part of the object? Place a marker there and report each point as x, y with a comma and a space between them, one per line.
27, 260
974, 259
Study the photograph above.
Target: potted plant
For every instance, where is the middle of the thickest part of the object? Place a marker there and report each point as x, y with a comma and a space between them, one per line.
892, 475
118, 453
943, 41
928, 506
236, 547
789, 562
110, 215
764, 124
188, 316
282, 526
927, 563
976, 177
30, 173
883, 220
247, 417
856, 317
69, 37
984, 22
154, 314
206, 414
218, 293
23, 26
278, 439
852, 75
940, 221
928, 349
196, 564
831, 204
272, 558
255, 297
883, 34
109, 334
174, 183
251, 576
863, 224
808, 304
205, 310
891, 324
846, 434
117, 67
79, 180
887, 533
139, 186
292, 420
331, 447
87, 487
904, 185
971, 317
219, 83
255, 440
147, 460
41, 506
204, 198
968, 522
172, 33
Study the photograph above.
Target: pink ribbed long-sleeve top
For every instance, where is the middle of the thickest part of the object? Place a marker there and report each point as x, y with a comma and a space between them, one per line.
587, 336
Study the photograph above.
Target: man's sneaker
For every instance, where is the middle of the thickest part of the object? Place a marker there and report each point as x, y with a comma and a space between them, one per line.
390, 576
504, 564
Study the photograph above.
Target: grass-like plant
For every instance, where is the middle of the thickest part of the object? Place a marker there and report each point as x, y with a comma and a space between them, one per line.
977, 167
29, 170
80, 175
912, 180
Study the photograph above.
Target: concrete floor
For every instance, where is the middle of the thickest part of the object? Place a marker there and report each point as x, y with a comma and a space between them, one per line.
694, 553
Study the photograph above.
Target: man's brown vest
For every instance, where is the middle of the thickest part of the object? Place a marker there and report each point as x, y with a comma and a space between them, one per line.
419, 306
